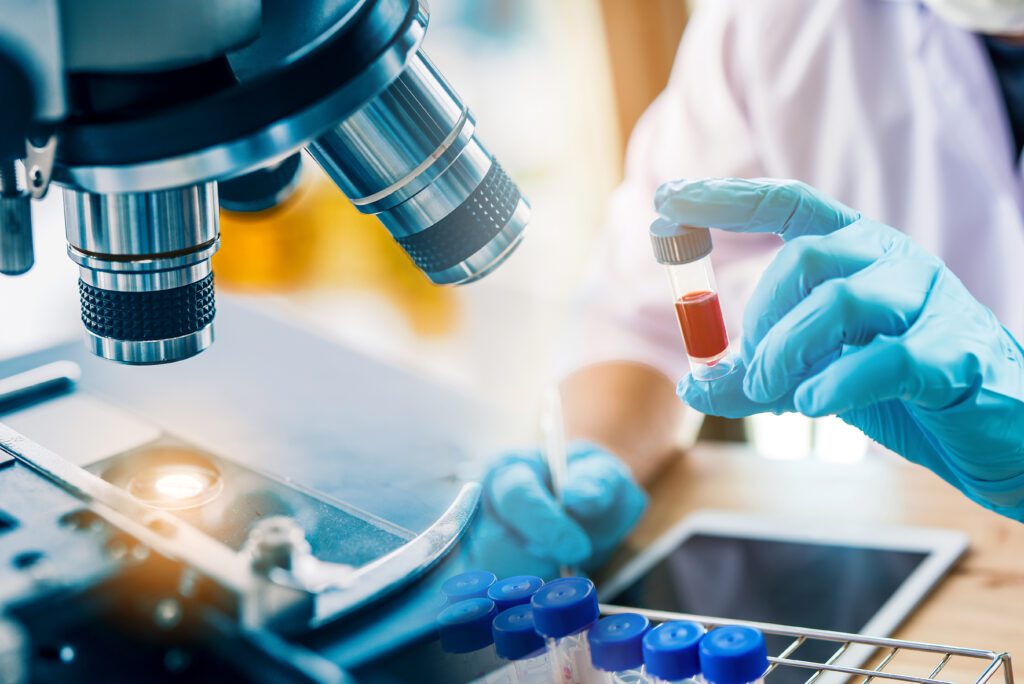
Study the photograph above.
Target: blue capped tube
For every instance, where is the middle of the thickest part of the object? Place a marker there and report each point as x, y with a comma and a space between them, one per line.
733, 655
465, 632
516, 640
616, 647
514, 591
467, 585
563, 610
672, 652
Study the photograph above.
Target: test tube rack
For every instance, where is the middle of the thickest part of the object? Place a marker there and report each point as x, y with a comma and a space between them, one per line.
886, 653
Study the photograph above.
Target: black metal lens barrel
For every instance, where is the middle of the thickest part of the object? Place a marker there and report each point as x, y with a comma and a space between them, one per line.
17, 255
263, 188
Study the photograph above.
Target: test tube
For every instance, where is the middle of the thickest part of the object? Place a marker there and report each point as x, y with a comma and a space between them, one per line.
686, 253
466, 637
563, 610
672, 652
516, 639
733, 655
514, 591
467, 585
616, 647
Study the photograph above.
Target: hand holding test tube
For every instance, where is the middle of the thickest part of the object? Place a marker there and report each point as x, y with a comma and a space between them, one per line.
853, 318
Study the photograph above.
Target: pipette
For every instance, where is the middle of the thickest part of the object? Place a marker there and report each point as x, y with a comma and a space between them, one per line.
552, 425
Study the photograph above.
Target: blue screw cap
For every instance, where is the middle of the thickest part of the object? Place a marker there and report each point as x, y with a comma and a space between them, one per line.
468, 585
733, 655
616, 642
564, 606
514, 635
672, 650
514, 591
466, 626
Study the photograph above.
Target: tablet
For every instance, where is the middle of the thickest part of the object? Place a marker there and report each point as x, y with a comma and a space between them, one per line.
789, 572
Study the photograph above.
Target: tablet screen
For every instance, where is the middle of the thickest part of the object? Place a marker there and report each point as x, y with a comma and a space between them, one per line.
820, 586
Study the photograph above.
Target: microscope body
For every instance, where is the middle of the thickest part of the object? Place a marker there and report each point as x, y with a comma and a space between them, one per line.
151, 115
143, 110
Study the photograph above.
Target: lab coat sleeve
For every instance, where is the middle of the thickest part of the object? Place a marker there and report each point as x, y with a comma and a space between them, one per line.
697, 127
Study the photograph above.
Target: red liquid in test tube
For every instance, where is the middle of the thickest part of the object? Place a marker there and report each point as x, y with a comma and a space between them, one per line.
685, 251
702, 325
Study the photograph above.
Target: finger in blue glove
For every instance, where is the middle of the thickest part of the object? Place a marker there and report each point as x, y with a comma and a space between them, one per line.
602, 495
602, 503
518, 492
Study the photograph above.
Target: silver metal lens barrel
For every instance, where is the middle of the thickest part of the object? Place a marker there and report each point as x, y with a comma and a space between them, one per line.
411, 157
145, 278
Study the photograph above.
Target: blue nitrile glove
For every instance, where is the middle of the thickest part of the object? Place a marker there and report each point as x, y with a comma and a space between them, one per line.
522, 528
853, 318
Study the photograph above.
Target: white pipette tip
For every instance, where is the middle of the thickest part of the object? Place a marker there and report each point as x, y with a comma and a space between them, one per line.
552, 425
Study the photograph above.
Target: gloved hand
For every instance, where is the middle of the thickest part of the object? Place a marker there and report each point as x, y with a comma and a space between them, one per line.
522, 528
853, 318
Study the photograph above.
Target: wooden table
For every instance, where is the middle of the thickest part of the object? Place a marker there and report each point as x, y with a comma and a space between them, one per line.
980, 605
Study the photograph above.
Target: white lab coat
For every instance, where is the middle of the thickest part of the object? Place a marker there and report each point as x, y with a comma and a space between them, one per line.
879, 103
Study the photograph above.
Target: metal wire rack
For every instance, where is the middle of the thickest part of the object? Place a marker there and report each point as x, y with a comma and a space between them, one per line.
856, 648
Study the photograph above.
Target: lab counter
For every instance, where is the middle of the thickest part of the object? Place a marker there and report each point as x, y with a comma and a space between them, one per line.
980, 604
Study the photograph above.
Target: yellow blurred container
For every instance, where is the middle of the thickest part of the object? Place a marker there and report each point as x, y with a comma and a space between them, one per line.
316, 239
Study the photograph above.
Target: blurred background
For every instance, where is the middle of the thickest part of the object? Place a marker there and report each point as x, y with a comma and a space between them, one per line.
559, 118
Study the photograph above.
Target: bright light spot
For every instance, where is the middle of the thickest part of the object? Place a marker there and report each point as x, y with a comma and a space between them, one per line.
838, 442
180, 485
783, 438
174, 486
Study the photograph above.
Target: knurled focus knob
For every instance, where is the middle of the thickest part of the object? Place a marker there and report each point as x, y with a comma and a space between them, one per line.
150, 327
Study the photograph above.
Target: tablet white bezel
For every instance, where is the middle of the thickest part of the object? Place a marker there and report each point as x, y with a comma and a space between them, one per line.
943, 549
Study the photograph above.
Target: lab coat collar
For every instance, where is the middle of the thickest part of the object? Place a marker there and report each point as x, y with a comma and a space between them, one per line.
924, 26
921, 26
988, 140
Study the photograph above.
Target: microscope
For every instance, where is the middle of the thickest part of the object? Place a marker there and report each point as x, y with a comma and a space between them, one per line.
140, 109
178, 556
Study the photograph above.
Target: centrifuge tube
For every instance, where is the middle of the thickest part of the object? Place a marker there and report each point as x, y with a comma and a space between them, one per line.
686, 252
672, 652
733, 655
616, 647
466, 638
516, 640
563, 610
514, 591
467, 585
